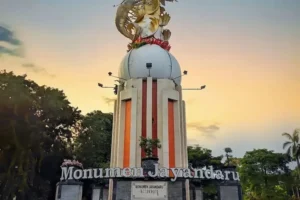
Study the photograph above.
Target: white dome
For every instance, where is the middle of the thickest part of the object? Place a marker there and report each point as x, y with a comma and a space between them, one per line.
164, 65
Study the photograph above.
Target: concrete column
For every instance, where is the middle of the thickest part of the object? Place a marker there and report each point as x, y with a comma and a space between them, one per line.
199, 194
96, 195
100, 193
69, 190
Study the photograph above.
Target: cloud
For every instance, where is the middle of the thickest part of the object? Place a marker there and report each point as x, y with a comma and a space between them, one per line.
8, 36
9, 44
11, 52
108, 100
205, 130
37, 69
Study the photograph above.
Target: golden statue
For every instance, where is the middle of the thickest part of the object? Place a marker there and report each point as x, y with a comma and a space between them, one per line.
140, 19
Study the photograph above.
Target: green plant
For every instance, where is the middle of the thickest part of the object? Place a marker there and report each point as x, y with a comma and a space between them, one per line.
147, 144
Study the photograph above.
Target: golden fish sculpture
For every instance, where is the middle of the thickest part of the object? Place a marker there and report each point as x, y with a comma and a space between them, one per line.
142, 18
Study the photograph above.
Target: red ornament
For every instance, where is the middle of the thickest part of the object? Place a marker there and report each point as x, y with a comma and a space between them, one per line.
150, 40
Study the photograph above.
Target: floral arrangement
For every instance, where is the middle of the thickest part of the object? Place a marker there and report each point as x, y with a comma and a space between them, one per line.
150, 40
69, 163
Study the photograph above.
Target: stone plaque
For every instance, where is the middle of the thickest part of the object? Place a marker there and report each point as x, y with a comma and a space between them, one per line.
142, 190
229, 193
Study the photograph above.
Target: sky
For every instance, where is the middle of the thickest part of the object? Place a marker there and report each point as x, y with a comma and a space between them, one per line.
246, 52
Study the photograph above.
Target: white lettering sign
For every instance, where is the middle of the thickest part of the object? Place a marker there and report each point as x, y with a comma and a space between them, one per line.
142, 190
69, 173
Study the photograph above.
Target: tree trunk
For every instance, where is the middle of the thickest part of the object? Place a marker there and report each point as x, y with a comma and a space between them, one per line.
265, 178
298, 166
297, 191
227, 156
293, 191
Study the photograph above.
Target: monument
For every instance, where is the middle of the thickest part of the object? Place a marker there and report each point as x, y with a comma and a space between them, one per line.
149, 158
149, 103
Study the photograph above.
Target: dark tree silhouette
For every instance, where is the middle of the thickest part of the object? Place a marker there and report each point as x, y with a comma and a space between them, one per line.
35, 123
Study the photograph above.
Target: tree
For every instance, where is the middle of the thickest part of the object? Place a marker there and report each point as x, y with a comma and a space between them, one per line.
292, 145
200, 157
260, 171
235, 161
36, 122
294, 182
228, 151
93, 144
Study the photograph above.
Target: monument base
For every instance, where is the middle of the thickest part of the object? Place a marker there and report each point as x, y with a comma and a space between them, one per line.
149, 190
69, 190
196, 193
100, 193
230, 192
230, 189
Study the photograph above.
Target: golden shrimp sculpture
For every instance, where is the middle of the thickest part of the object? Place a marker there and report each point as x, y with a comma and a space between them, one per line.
142, 19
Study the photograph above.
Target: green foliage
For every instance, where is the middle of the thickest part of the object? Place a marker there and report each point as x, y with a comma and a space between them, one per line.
36, 122
210, 190
148, 144
281, 192
292, 146
93, 144
202, 157
235, 161
228, 151
260, 171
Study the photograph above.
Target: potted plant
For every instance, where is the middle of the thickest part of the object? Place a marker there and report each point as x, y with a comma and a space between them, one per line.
148, 144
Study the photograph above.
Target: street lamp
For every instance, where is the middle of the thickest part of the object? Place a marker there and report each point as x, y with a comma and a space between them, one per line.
111, 74
115, 87
101, 85
184, 73
201, 88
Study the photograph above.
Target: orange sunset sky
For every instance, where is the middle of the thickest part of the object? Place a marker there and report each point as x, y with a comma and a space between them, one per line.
246, 52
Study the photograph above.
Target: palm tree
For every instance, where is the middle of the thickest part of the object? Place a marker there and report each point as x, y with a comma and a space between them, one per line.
228, 150
292, 145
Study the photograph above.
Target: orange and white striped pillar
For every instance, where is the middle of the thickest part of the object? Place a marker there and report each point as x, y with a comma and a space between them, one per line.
150, 108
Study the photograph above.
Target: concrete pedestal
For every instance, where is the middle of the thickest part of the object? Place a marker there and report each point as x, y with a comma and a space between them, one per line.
199, 194
148, 190
100, 193
230, 189
196, 193
69, 190
230, 192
